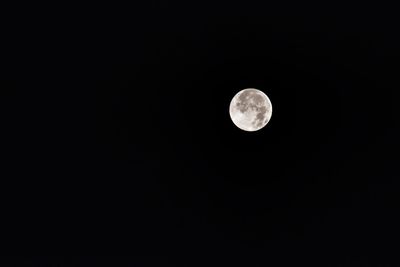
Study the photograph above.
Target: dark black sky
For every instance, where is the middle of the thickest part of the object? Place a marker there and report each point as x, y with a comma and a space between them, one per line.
143, 166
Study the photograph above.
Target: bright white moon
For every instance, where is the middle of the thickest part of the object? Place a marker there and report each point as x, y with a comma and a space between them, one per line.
250, 109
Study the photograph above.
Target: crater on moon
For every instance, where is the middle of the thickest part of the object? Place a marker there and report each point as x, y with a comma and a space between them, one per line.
250, 109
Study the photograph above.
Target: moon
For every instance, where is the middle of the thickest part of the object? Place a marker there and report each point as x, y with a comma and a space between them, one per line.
250, 109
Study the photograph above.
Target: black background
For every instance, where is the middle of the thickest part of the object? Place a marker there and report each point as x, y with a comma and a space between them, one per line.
131, 159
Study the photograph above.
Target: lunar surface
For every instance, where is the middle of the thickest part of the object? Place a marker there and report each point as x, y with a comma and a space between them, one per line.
250, 109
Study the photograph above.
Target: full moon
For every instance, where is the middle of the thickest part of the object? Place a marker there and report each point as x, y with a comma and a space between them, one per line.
250, 109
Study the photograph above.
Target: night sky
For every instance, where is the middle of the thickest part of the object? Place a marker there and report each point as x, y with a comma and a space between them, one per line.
144, 167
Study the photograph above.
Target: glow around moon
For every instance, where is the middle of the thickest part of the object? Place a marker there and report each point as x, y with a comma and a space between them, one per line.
250, 109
